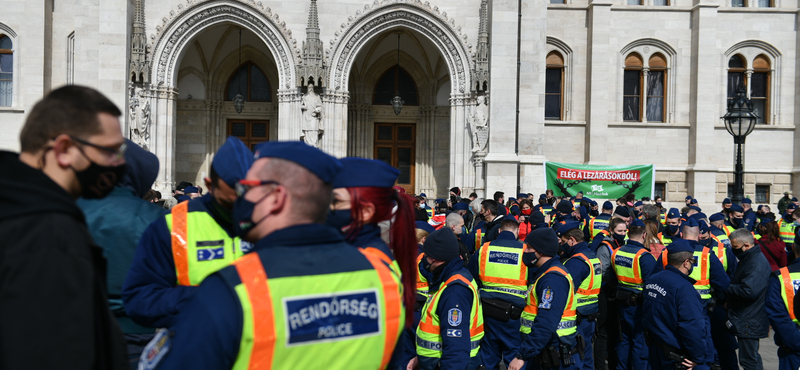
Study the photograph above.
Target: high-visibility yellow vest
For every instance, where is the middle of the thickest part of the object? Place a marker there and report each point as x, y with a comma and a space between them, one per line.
590, 287
728, 229
789, 281
430, 212
719, 251
665, 240
284, 317
429, 331
200, 246
626, 266
786, 231
663, 219
700, 273
500, 270
479, 235
596, 225
422, 282
567, 325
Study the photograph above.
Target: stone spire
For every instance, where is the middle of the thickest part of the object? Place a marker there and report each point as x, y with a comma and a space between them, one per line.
139, 68
312, 63
482, 52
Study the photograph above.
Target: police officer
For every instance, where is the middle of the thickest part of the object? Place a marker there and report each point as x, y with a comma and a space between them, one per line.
717, 223
503, 282
624, 213
451, 328
600, 222
709, 275
197, 238
564, 211
544, 206
607, 332
586, 271
735, 219
672, 228
548, 322
781, 306
303, 296
726, 203
749, 217
786, 226
675, 314
633, 265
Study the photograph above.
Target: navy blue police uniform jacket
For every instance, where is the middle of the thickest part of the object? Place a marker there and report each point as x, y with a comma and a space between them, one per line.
647, 263
675, 314
543, 331
455, 333
733, 262
579, 271
719, 278
149, 293
787, 333
207, 333
504, 239
560, 220
370, 237
749, 220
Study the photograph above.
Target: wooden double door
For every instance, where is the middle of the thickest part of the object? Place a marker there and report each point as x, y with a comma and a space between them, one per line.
251, 132
395, 144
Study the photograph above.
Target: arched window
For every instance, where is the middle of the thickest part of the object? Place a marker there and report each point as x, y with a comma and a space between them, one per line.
656, 88
736, 69
632, 88
554, 86
6, 71
759, 87
251, 82
393, 82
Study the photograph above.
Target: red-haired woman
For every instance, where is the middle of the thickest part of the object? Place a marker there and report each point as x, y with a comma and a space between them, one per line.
363, 197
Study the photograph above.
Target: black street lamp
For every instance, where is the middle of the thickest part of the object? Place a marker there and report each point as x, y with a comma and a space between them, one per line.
739, 121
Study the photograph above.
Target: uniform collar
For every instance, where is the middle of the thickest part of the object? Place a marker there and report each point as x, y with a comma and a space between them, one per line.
451, 268
301, 235
634, 244
541, 270
676, 271
368, 235
581, 247
505, 235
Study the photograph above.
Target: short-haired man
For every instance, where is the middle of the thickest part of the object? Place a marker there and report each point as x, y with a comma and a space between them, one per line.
564, 214
624, 213
489, 211
749, 217
600, 223
671, 228
500, 198
586, 271
502, 279
54, 303
257, 312
674, 313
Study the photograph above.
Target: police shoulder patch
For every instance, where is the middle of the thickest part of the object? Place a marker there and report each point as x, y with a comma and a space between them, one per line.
454, 317
547, 299
455, 333
155, 351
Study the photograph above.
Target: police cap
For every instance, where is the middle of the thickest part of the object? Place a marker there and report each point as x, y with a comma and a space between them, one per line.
362, 172
232, 161
567, 227
316, 161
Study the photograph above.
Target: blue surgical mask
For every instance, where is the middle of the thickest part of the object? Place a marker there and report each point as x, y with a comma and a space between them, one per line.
339, 219
243, 216
673, 229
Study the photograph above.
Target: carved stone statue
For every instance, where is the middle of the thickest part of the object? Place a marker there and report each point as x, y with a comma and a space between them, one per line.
312, 116
140, 117
479, 125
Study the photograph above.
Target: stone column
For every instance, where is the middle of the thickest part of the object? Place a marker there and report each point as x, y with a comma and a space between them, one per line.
600, 69
480, 176
645, 72
289, 115
501, 160
531, 100
216, 131
795, 181
163, 136
461, 169
361, 131
334, 122
425, 150
704, 88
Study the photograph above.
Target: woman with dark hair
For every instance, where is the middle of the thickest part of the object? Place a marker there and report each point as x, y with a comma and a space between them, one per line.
771, 244
651, 242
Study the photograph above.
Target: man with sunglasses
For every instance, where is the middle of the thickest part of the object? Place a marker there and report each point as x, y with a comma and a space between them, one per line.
195, 239
303, 298
673, 312
54, 307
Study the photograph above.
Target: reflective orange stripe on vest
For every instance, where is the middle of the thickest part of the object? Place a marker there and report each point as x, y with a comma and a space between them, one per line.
391, 295
378, 253
254, 279
703, 265
637, 273
429, 328
591, 277
788, 287
569, 310
179, 242
420, 284
523, 279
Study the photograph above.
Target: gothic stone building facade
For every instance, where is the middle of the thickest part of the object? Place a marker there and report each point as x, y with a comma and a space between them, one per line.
492, 88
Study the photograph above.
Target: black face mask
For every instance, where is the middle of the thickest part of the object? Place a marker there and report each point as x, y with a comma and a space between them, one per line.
737, 252
620, 239
97, 181
529, 259
339, 218
736, 221
425, 264
564, 247
672, 229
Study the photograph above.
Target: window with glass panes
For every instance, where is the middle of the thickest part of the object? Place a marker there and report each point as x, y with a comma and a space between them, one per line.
632, 88
738, 3
759, 88
736, 69
762, 193
660, 190
251, 82
395, 144
554, 86
250, 132
395, 81
6, 71
656, 88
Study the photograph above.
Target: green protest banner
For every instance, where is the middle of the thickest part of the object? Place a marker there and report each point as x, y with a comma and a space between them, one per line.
602, 182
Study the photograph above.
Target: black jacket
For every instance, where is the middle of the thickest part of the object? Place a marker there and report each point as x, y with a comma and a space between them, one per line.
53, 307
493, 228
747, 292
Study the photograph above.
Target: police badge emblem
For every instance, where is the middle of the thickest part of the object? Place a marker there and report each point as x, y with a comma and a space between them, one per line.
454, 317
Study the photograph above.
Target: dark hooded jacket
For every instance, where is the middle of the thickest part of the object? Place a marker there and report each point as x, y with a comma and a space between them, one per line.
54, 312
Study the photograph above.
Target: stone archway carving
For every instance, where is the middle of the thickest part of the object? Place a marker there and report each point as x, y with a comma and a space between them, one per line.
416, 15
182, 26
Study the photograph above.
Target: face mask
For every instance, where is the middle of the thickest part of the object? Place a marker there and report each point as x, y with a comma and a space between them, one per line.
564, 247
620, 239
691, 268
339, 219
529, 259
526, 212
736, 221
673, 229
425, 264
97, 181
463, 230
737, 252
242, 216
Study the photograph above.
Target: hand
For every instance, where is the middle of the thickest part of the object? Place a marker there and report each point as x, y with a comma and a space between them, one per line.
413, 364
688, 363
516, 364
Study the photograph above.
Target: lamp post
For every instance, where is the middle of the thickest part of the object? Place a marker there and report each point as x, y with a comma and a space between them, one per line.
739, 121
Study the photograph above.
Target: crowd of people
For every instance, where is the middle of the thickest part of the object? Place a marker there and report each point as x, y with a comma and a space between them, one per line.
294, 258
